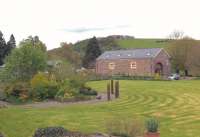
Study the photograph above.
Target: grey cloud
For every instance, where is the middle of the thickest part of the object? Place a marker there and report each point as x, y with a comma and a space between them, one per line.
85, 29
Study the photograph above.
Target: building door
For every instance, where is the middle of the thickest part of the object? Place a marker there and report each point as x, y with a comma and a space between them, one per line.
159, 68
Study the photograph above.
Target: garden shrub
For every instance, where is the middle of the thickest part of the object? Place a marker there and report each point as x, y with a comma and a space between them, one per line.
17, 91
88, 91
76, 82
65, 91
43, 88
74, 90
152, 125
124, 127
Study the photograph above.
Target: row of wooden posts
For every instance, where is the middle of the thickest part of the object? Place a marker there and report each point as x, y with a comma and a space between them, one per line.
112, 88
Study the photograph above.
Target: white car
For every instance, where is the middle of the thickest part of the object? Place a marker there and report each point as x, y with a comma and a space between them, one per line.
174, 77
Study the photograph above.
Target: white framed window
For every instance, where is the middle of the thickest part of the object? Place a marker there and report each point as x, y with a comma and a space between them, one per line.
133, 65
111, 65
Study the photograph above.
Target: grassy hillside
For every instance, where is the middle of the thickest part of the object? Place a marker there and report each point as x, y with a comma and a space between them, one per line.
107, 43
112, 43
143, 43
175, 103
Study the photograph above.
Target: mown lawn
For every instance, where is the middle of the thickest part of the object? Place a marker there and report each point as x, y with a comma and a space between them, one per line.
175, 103
143, 43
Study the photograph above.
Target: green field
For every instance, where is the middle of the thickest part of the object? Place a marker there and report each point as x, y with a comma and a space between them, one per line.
143, 43
175, 103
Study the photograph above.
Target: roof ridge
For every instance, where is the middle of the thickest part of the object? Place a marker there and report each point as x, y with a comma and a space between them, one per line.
131, 53
133, 49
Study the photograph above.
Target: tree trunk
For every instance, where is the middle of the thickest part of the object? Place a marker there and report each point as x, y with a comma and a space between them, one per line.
108, 91
112, 87
117, 89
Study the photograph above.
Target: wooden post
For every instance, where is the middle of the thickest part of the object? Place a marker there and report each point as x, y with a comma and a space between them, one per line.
108, 91
111, 87
116, 89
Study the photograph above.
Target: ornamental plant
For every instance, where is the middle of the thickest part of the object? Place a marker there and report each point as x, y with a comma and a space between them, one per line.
152, 125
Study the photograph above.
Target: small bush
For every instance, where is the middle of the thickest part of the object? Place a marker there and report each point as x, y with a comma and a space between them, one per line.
152, 125
124, 127
39, 80
17, 91
88, 91
66, 91
51, 132
42, 88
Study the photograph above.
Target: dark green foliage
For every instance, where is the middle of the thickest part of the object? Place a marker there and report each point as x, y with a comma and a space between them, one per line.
5, 49
45, 92
51, 132
117, 89
108, 92
152, 125
92, 52
2, 48
106, 43
88, 91
11, 44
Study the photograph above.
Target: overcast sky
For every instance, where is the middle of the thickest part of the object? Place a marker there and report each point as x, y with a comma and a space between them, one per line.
56, 21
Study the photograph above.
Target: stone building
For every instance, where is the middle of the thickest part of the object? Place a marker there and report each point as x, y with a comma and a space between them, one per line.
139, 62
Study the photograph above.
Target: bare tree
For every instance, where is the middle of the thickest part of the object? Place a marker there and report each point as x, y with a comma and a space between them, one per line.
185, 54
176, 34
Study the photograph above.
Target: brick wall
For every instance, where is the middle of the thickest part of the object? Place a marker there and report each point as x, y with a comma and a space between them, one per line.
123, 66
144, 67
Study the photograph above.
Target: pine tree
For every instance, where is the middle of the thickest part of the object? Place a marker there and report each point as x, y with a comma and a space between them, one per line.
12, 41
11, 44
92, 52
2, 48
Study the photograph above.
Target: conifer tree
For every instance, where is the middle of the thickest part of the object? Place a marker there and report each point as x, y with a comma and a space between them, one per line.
92, 52
2, 48
11, 44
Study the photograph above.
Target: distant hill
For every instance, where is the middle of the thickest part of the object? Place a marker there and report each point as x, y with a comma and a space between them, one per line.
114, 42
143, 43
105, 43
74, 52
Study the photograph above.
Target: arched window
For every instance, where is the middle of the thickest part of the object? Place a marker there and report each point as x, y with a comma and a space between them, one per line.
111, 65
133, 65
